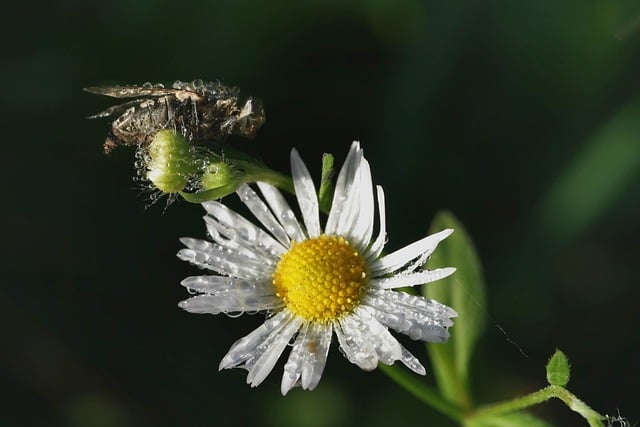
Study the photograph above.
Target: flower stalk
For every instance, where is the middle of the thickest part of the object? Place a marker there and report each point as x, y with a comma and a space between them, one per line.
551, 391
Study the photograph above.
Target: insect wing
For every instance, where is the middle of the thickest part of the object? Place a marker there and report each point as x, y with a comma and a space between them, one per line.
116, 110
130, 91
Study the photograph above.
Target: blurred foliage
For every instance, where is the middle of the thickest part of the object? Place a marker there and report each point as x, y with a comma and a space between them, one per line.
519, 117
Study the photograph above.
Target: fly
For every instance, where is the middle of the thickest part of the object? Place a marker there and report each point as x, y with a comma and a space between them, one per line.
198, 110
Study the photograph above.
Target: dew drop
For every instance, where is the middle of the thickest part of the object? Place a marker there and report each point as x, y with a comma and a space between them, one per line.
234, 314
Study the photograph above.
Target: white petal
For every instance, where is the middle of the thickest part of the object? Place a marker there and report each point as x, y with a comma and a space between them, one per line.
388, 349
232, 301
376, 247
308, 358
228, 238
343, 206
282, 211
362, 229
306, 194
355, 345
218, 284
365, 341
419, 318
401, 257
317, 347
262, 212
293, 367
245, 351
411, 362
265, 363
224, 261
240, 227
259, 351
268, 248
412, 279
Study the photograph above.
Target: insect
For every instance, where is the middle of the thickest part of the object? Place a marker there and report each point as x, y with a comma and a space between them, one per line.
198, 110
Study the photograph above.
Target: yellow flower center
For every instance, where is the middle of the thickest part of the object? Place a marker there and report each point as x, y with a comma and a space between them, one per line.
321, 279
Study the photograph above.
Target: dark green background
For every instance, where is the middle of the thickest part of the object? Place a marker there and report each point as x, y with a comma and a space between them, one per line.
522, 117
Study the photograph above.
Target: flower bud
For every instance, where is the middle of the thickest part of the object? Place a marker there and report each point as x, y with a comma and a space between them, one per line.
558, 369
171, 161
218, 174
218, 179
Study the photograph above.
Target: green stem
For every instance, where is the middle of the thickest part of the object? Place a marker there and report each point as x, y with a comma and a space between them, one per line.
259, 173
421, 391
593, 418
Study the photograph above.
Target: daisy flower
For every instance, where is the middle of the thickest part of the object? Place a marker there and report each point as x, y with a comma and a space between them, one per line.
315, 281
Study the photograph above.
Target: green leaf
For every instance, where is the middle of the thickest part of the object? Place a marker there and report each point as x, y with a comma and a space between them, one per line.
558, 370
514, 419
464, 291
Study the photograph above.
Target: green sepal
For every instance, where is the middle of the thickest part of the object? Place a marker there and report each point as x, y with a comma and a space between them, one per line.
207, 195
